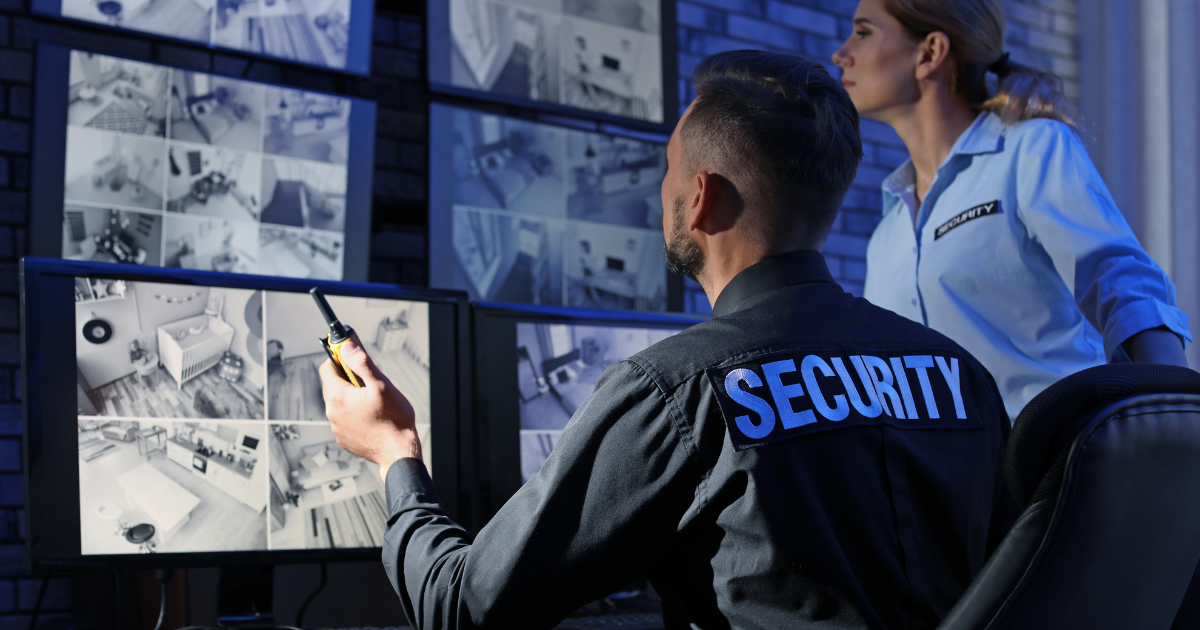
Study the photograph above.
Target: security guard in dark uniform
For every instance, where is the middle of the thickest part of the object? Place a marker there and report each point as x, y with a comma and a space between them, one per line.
802, 460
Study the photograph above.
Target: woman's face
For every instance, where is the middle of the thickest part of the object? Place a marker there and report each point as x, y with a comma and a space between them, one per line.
878, 62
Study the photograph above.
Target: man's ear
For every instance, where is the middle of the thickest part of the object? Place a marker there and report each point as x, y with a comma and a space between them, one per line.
699, 210
932, 54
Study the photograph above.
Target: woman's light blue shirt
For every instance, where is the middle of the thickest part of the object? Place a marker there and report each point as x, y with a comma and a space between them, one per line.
1020, 255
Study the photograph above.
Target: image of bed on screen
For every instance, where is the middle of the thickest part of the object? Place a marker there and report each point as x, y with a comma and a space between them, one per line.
150, 350
558, 366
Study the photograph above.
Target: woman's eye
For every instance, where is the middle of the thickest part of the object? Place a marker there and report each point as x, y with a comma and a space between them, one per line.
862, 33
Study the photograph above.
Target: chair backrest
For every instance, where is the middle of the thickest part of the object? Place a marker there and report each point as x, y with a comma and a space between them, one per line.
1106, 464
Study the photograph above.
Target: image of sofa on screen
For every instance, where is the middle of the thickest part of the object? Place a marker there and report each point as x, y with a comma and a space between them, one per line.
322, 496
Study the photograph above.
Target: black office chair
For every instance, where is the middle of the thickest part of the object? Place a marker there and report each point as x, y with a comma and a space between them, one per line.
1106, 464
141, 535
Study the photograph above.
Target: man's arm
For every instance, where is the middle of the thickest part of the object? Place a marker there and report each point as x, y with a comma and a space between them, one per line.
605, 506
1157, 345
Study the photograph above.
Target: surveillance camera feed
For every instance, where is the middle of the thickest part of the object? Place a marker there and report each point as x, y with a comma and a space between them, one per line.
315, 32
557, 367
186, 169
598, 56
201, 422
539, 214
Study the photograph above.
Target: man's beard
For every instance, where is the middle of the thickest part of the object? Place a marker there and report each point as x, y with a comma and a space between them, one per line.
682, 254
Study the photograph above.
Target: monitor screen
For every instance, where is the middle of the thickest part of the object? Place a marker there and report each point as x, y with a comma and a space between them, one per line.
608, 59
557, 369
534, 367
333, 34
146, 164
179, 380
532, 213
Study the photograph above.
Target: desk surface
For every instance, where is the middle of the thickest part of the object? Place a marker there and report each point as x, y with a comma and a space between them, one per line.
167, 502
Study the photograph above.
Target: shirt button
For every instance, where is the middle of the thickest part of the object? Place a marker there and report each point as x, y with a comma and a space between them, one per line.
914, 301
914, 249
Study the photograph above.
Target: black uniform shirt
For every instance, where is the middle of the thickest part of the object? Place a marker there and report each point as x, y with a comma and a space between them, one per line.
802, 460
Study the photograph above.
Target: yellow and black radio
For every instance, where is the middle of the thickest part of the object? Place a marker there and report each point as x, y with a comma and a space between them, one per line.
338, 335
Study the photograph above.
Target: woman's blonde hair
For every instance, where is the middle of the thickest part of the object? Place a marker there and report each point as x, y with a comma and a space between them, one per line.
975, 29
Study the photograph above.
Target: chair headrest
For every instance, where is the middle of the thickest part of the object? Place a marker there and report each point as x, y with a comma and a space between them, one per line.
1051, 420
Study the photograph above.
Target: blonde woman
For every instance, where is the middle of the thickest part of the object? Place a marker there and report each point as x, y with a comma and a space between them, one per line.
998, 232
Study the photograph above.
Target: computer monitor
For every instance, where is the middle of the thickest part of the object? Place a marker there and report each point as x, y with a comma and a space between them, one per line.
141, 163
198, 430
528, 212
612, 60
334, 34
534, 366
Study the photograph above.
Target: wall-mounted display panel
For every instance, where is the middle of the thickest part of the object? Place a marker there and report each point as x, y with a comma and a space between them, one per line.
333, 34
527, 212
146, 164
612, 59
199, 426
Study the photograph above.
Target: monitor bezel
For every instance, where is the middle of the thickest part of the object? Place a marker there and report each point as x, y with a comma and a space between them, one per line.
359, 41
50, 471
439, 11
48, 159
496, 425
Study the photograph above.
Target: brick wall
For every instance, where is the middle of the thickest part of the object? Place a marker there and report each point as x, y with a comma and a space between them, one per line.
1041, 33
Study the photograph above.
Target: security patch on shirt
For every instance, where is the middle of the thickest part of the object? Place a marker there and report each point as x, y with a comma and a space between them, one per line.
982, 210
789, 394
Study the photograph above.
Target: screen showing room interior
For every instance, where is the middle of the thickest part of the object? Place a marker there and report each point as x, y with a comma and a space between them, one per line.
598, 56
315, 32
201, 422
537, 214
186, 169
557, 369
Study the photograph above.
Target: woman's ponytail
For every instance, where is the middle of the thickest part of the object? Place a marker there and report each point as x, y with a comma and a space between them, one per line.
1023, 93
975, 29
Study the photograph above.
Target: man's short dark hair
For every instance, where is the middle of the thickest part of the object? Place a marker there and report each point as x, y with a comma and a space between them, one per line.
782, 129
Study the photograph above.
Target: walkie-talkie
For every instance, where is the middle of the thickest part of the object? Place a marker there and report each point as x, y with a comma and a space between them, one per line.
338, 335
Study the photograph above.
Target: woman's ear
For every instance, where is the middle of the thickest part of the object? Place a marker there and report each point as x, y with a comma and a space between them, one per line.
932, 54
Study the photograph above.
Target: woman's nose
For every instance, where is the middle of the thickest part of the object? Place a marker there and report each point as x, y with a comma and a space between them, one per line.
841, 59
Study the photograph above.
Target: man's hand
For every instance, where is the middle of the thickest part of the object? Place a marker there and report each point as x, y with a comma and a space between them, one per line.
375, 421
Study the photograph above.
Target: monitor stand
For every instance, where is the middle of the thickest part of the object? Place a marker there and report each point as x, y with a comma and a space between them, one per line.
244, 600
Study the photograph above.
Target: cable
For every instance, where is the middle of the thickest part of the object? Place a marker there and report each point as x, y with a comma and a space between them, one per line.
37, 606
304, 606
164, 576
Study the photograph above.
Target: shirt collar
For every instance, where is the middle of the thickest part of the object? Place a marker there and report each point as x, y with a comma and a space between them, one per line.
985, 135
774, 272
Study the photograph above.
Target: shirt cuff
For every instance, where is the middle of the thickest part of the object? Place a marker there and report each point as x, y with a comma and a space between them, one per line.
407, 483
1135, 317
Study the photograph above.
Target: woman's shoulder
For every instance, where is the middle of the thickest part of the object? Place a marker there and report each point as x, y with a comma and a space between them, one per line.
1040, 132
